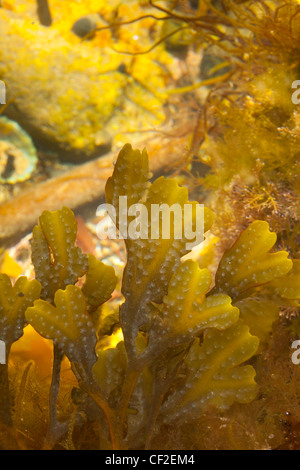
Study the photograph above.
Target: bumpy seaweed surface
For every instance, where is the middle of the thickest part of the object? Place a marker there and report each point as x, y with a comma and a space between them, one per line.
181, 349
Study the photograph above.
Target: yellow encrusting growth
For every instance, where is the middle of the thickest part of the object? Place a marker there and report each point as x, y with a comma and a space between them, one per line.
90, 87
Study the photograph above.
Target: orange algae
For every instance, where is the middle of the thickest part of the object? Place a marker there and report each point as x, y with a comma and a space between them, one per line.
32, 347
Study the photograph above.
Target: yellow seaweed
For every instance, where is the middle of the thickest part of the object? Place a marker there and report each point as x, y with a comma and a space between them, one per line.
173, 317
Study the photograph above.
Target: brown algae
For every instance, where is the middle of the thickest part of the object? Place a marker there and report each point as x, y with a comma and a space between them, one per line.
143, 343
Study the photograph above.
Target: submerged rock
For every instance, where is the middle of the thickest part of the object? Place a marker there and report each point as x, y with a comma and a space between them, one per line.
69, 95
84, 26
18, 156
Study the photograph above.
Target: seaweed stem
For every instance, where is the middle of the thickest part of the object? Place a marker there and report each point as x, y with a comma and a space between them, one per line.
5, 411
130, 381
157, 43
54, 389
109, 413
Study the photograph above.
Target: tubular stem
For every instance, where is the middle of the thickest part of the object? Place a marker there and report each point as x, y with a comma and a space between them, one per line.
128, 388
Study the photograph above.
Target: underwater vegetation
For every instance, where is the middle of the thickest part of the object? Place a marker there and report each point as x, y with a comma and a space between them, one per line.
181, 341
75, 187
248, 123
181, 349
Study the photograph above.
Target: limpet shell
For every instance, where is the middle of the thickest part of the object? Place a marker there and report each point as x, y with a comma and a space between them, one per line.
18, 156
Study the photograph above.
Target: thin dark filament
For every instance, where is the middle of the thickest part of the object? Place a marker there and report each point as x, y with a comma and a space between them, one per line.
140, 18
155, 44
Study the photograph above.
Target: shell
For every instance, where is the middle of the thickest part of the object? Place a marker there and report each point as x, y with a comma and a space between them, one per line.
18, 157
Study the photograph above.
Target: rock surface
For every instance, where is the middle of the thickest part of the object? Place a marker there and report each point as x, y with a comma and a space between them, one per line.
72, 99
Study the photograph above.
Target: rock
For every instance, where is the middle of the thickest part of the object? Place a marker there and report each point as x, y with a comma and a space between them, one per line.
71, 98
84, 25
18, 156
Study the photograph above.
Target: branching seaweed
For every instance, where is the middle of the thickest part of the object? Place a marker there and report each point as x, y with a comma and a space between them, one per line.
186, 337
